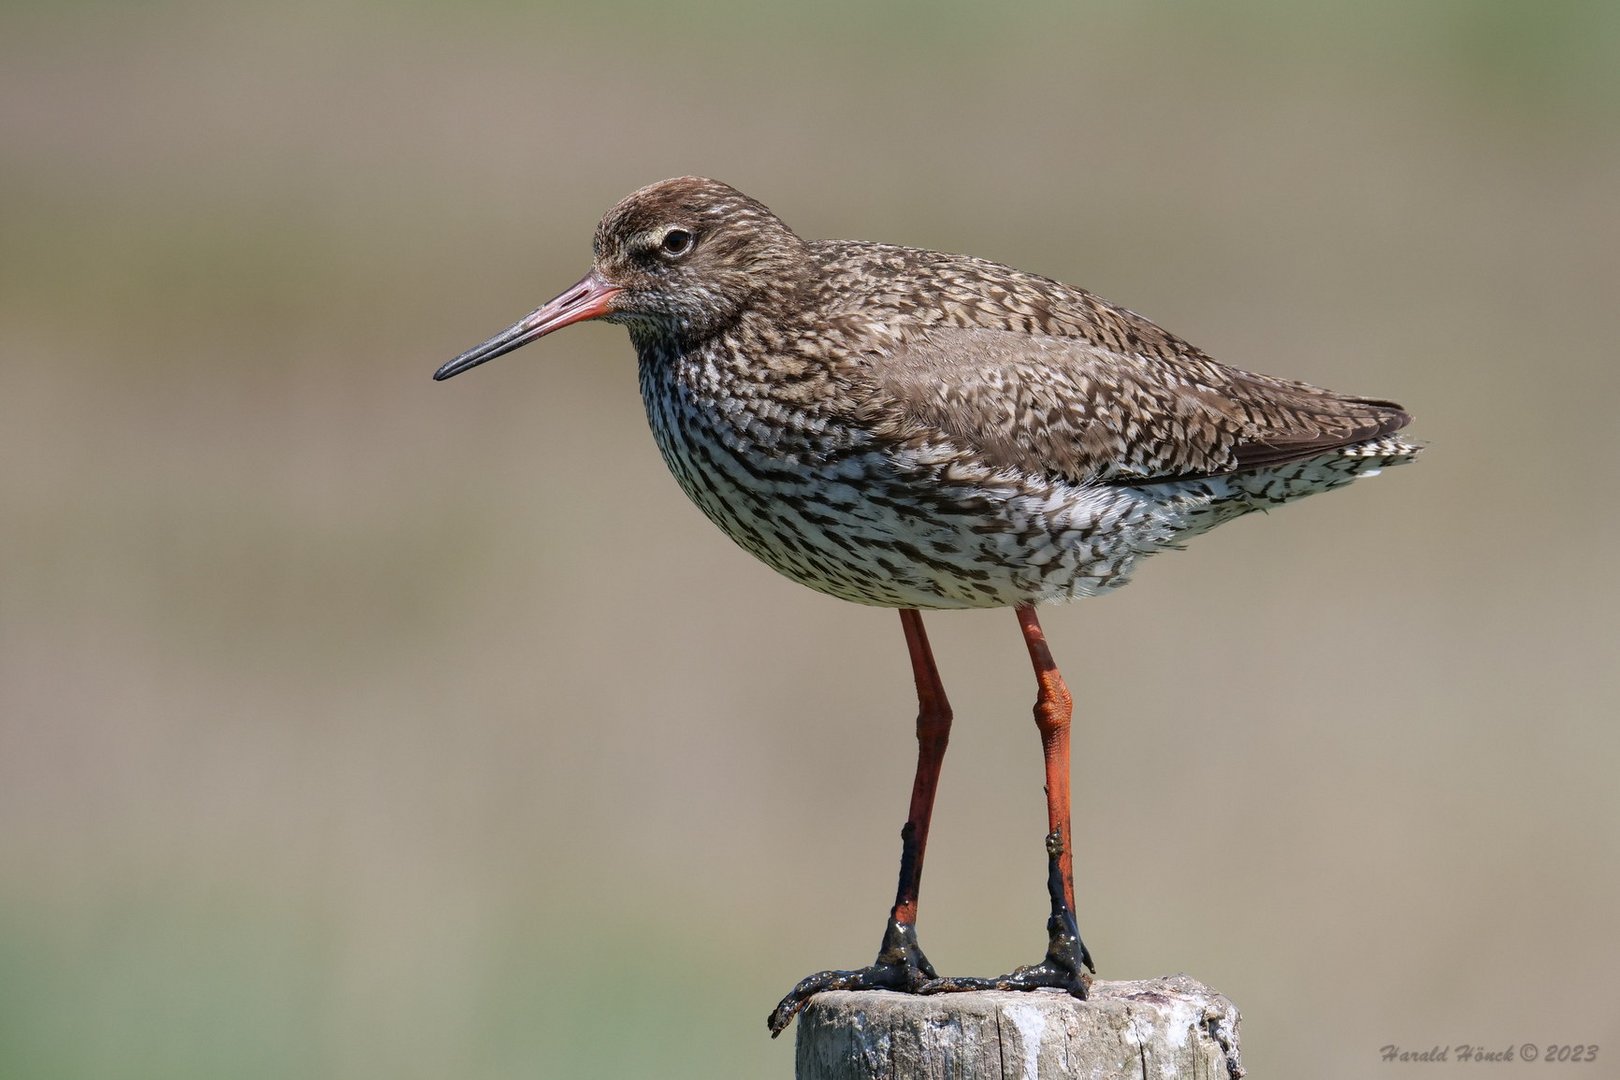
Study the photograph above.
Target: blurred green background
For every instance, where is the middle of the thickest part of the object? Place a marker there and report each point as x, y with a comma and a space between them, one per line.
357, 726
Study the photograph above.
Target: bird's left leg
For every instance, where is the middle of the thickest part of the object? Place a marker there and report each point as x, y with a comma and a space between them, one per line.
1066, 954
900, 964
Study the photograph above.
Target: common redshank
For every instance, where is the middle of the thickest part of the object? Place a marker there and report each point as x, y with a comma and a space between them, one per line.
914, 430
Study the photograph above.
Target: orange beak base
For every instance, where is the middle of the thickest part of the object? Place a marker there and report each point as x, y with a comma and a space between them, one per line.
590, 298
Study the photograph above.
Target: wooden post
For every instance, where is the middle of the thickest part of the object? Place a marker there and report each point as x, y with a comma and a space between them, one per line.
1152, 1029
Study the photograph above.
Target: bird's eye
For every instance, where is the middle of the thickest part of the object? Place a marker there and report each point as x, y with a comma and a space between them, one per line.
676, 242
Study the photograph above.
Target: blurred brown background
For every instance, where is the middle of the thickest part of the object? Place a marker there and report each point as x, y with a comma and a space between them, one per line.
357, 726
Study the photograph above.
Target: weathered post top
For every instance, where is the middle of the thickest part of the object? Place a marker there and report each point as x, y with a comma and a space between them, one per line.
1150, 1029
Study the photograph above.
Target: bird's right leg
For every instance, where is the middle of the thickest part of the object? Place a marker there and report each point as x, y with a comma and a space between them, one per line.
1067, 959
900, 964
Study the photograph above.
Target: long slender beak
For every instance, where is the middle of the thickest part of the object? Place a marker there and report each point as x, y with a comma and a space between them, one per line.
590, 298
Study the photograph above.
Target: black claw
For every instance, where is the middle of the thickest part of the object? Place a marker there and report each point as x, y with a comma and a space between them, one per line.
1033, 977
900, 965
1066, 954
1062, 932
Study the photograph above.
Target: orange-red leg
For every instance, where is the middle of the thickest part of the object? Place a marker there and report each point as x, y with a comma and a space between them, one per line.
1054, 709
900, 963
933, 734
1066, 954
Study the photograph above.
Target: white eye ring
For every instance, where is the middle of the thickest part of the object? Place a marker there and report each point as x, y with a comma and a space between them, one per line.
677, 242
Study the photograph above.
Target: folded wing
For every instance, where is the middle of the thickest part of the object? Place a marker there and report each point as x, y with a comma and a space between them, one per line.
1045, 404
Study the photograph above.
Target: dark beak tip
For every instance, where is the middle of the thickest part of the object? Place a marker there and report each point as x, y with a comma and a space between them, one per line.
589, 298
454, 367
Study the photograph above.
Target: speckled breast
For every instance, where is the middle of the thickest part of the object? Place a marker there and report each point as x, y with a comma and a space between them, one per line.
824, 503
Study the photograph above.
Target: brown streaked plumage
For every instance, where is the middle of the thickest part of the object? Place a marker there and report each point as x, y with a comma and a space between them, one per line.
911, 429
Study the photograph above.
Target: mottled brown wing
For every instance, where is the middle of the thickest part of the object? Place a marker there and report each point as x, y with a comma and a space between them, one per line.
1295, 420
1044, 404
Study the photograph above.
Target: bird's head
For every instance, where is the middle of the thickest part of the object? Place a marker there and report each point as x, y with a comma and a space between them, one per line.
680, 259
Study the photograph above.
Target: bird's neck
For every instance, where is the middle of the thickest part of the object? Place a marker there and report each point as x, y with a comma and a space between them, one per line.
719, 387
743, 346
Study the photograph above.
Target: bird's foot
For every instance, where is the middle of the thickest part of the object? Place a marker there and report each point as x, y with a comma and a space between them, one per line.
900, 965
1058, 970
1067, 962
